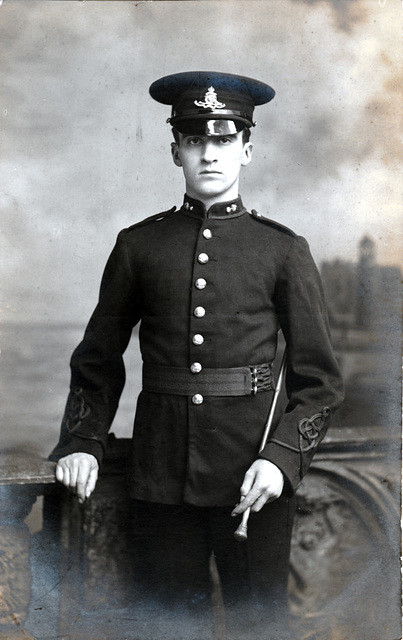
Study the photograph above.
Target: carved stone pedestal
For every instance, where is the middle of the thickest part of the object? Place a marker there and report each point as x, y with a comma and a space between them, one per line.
345, 577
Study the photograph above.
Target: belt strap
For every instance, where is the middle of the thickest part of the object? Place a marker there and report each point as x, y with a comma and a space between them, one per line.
237, 381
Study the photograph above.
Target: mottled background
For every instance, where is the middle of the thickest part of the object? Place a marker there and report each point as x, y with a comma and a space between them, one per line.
85, 150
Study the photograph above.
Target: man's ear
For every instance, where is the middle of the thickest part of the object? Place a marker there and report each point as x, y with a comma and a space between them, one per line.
175, 154
247, 153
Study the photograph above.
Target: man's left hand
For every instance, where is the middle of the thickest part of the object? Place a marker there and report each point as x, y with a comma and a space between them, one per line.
263, 483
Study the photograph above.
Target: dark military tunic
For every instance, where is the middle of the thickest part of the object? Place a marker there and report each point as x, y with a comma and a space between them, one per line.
211, 290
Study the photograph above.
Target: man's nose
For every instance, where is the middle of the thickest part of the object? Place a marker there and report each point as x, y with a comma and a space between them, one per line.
209, 153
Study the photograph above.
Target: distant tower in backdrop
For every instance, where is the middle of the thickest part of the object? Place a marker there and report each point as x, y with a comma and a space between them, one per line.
366, 285
364, 295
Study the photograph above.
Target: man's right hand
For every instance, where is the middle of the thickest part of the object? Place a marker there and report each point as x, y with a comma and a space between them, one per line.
79, 473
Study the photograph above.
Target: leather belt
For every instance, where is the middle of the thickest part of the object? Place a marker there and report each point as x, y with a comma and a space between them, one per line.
237, 381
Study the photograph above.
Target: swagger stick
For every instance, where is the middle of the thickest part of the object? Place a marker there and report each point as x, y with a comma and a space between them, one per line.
241, 533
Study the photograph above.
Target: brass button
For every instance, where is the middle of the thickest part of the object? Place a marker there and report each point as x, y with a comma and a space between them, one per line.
196, 367
202, 258
197, 398
199, 312
207, 234
197, 339
200, 283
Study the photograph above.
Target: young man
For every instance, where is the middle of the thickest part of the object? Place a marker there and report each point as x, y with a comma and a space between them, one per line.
211, 284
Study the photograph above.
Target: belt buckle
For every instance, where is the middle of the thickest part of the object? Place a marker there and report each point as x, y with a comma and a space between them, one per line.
254, 380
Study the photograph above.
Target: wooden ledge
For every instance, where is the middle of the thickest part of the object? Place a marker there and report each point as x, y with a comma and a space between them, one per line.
25, 468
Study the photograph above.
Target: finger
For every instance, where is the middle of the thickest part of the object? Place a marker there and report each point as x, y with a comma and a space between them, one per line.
82, 479
246, 503
59, 473
65, 475
92, 480
247, 484
239, 509
244, 491
73, 473
261, 501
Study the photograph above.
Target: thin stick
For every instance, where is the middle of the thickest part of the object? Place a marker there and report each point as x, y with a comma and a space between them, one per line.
241, 533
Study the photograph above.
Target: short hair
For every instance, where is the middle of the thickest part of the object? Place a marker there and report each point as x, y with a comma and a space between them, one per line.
245, 135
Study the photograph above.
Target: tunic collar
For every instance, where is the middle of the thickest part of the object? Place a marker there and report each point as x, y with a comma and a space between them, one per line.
229, 209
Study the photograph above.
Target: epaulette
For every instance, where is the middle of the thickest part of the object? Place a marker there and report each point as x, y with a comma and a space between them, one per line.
155, 218
272, 223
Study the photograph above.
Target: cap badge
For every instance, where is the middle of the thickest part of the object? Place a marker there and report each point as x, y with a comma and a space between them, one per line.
210, 100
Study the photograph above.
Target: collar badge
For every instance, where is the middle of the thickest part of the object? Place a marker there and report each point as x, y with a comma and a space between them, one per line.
210, 100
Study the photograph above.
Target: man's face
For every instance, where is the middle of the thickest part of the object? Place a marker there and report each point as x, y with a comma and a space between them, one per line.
211, 164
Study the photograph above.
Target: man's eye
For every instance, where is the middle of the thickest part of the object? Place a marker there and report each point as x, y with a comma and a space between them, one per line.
225, 140
193, 141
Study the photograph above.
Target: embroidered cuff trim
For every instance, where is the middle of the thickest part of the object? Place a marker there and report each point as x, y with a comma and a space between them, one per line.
77, 409
310, 428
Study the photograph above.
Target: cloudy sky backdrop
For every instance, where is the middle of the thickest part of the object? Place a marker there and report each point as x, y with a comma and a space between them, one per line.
85, 150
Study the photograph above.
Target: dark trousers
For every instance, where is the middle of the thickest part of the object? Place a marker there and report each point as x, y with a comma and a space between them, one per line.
173, 549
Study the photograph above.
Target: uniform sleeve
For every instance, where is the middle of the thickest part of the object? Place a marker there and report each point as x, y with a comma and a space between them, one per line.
313, 380
97, 367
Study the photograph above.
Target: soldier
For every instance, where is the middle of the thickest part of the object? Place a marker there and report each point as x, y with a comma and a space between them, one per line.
211, 284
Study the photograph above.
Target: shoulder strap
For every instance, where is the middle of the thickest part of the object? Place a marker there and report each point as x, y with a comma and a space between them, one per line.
272, 223
155, 218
